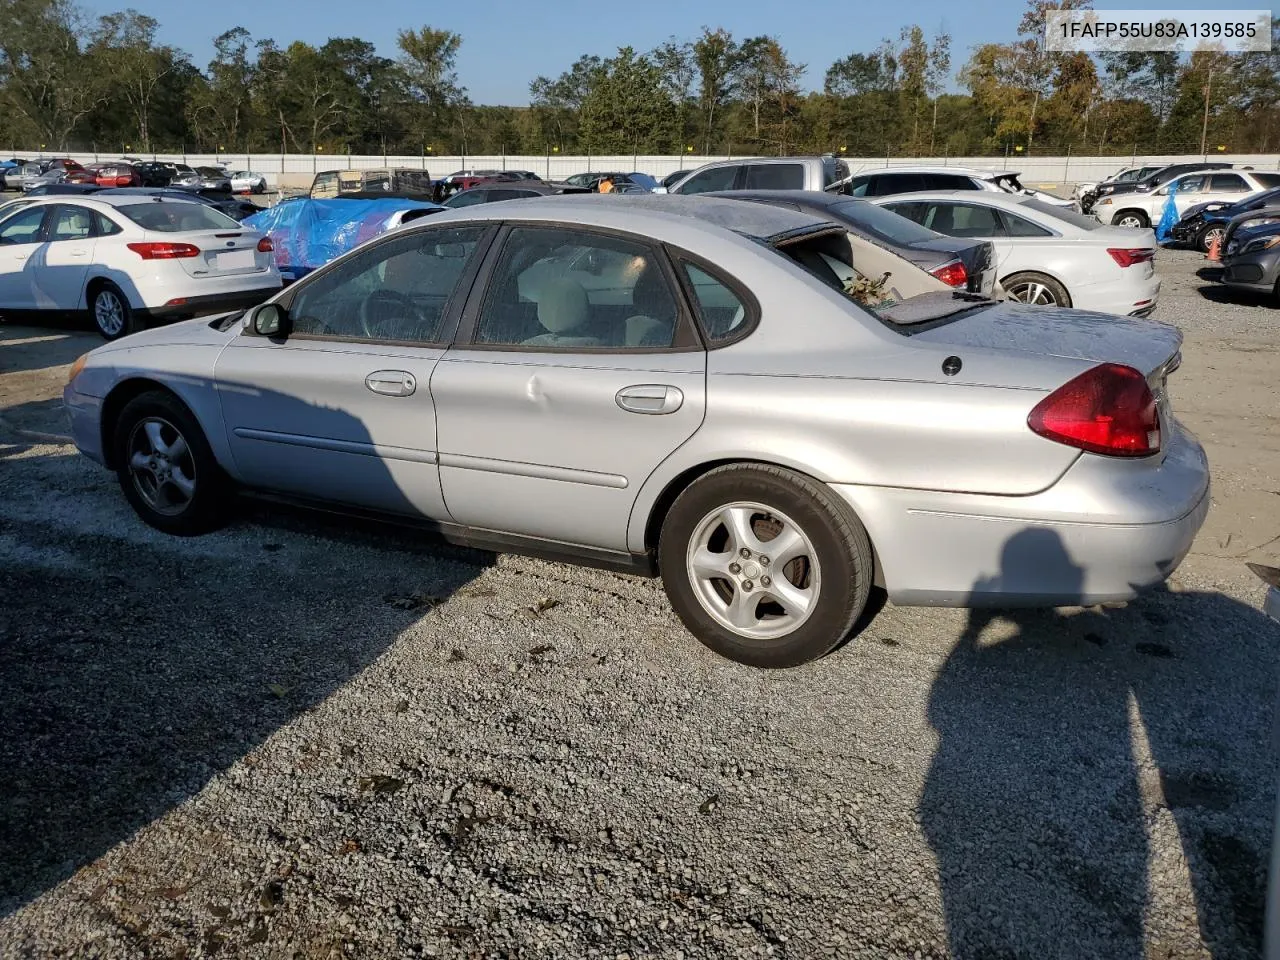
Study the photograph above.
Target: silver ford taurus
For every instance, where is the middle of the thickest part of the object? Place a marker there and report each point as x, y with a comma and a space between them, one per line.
729, 395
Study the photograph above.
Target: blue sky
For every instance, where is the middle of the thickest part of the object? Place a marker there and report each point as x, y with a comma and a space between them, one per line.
506, 44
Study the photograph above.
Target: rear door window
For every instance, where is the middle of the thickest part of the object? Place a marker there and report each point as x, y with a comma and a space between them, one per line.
718, 178
949, 181
887, 184
774, 176
1227, 183
71, 223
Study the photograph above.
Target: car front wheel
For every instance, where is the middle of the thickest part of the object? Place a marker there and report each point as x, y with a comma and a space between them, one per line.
1211, 235
764, 566
1131, 218
166, 468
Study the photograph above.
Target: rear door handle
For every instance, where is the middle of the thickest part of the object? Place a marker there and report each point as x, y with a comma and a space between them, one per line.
651, 398
392, 383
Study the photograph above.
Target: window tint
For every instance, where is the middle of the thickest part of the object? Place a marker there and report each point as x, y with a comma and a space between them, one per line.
888, 184
495, 195
23, 227
1227, 183
963, 220
1022, 227
176, 216
572, 290
106, 226
774, 176
1269, 180
398, 290
913, 210
469, 198
949, 181
881, 223
720, 311
717, 178
71, 223
860, 187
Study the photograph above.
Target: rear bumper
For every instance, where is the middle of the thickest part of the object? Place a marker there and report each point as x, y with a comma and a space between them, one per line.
1104, 531
210, 303
1123, 295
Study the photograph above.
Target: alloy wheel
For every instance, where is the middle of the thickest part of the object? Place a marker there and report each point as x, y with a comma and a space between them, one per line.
108, 313
1129, 221
753, 570
161, 466
1029, 291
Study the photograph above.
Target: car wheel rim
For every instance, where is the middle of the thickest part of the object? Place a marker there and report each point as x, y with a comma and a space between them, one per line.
108, 312
161, 466
1033, 292
1129, 222
754, 570
1212, 237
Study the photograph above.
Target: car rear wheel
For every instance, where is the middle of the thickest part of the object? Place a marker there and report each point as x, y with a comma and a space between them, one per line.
1131, 218
1209, 236
165, 466
1036, 288
111, 312
764, 566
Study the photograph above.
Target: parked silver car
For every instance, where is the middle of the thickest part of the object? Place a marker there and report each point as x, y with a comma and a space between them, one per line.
676, 386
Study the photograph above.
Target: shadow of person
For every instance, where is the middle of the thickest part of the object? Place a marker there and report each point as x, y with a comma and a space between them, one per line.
1075, 750
136, 667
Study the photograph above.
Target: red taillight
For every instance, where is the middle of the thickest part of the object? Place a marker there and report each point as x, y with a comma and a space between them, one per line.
1127, 258
265, 245
1109, 409
164, 251
953, 274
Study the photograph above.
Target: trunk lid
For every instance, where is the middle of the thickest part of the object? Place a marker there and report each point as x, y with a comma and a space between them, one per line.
223, 253
1146, 345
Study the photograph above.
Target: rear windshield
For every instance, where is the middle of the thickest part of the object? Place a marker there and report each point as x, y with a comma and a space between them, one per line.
1062, 213
883, 224
176, 216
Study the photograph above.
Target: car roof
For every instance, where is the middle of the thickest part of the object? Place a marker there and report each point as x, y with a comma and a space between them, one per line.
992, 198
958, 171
108, 199
812, 198
662, 216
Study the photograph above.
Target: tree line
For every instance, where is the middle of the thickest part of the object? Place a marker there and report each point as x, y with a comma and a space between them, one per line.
71, 81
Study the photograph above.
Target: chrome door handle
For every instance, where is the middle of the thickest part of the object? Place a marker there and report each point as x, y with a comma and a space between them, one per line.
79, 253
391, 383
652, 398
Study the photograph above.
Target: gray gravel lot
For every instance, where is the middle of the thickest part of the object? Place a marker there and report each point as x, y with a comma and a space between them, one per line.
308, 737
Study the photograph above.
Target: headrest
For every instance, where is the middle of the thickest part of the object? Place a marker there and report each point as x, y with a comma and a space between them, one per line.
562, 305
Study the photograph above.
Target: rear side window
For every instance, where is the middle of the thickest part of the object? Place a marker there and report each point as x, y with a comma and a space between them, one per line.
963, 220
774, 176
888, 184
1268, 180
1227, 183
106, 226
176, 216
721, 312
1022, 227
717, 178
949, 181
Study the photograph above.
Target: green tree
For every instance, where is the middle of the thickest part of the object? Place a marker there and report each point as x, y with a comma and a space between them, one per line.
221, 109
429, 61
717, 56
625, 111
124, 44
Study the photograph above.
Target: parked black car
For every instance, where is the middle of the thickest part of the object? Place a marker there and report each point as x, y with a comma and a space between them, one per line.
490, 191
1147, 183
671, 179
957, 261
156, 174
1251, 253
1204, 223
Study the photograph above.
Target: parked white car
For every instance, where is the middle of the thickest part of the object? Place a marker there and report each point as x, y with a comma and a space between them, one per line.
1202, 186
1127, 175
129, 259
1046, 254
248, 180
894, 180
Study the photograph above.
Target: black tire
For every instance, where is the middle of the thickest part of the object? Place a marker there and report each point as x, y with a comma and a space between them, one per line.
206, 507
1207, 234
841, 579
110, 312
1036, 288
1142, 220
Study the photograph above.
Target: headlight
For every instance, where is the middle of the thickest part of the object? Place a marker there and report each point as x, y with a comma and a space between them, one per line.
1104, 201
77, 367
1260, 244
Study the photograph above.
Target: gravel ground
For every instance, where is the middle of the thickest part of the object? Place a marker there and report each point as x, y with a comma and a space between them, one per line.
304, 737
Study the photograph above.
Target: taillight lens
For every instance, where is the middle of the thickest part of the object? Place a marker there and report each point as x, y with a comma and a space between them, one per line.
1127, 258
1109, 409
164, 251
265, 246
953, 274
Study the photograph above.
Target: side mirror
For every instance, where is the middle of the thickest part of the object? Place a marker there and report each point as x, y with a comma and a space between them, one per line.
269, 320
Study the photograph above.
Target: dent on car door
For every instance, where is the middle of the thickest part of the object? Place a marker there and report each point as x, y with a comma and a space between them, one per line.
341, 409
562, 395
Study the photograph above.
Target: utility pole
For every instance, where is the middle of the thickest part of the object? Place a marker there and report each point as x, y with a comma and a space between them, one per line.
1204, 126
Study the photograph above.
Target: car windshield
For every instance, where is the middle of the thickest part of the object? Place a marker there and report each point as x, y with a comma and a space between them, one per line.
176, 216
881, 223
1061, 213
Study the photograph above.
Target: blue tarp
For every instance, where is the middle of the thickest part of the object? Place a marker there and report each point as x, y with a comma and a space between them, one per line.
308, 233
1169, 218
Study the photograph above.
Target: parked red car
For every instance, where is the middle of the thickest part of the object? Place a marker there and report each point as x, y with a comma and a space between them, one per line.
118, 175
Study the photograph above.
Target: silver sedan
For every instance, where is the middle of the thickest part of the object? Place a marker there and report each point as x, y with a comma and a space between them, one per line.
729, 395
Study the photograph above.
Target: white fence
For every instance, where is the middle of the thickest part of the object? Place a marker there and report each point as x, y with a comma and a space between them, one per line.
297, 167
